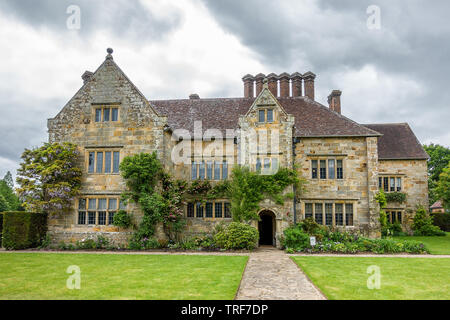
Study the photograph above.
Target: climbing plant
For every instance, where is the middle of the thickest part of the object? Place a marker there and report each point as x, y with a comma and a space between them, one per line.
399, 197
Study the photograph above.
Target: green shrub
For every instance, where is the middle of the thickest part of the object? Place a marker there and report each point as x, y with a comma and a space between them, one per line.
295, 238
442, 220
23, 230
399, 197
137, 243
237, 236
122, 219
423, 224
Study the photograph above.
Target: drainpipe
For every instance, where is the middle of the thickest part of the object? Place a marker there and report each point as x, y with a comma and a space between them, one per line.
294, 142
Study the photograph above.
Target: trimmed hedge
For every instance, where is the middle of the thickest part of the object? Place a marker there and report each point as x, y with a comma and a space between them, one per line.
23, 230
442, 220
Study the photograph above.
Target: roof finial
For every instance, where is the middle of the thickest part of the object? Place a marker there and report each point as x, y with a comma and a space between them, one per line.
110, 52
266, 83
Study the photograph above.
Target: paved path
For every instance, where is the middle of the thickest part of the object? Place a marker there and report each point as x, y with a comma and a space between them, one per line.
428, 256
271, 275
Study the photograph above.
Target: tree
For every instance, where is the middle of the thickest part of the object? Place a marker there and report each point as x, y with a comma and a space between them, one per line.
439, 159
443, 187
49, 178
10, 196
9, 180
3, 204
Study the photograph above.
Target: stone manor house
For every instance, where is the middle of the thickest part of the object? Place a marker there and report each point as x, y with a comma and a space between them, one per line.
277, 123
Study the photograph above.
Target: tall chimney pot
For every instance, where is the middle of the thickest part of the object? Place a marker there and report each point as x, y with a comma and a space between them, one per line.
284, 85
273, 83
334, 100
309, 78
249, 91
259, 78
297, 84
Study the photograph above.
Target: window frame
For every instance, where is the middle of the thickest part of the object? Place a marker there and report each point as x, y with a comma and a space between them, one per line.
201, 210
106, 113
108, 210
386, 182
93, 168
310, 208
320, 168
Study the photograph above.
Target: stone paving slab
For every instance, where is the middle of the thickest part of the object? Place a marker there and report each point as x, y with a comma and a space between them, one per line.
430, 256
271, 275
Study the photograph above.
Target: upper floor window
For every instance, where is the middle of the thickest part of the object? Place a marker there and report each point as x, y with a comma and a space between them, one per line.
327, 169
267, 165
265, 115
106, 114
209, 170
104, 162
390, 183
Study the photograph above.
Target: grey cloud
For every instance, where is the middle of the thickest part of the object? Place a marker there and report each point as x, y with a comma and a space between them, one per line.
413, 44
122, 17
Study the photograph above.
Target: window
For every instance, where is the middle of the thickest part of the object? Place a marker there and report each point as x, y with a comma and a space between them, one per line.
269, 115
100, 211
210, 210
331, 169
339, 219
106, 114
199, 210
209, 170
314, 168
275, 165
262, 116
258, 165
390, 183
329, 214
224, 170
190, 210
323, 169
308, 210
201, 170
339, 169
394, 216
320, 168
348, 214
218, 209
106, 162
318, 214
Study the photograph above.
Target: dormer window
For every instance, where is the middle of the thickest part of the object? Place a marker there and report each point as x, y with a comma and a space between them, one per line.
266, 115
106, 114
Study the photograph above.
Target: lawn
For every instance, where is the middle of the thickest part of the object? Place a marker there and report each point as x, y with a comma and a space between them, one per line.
130, 277
437, 245
345, 278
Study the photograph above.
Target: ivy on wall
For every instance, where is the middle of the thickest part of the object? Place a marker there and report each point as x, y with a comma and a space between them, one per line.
399, 197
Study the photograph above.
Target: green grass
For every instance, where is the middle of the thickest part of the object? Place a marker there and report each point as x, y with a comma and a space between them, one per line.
130, 277
437, 245
345, 278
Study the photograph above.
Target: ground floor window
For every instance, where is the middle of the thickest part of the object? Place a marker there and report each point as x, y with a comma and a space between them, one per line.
208, 210
394, 216
331, 213
98, 210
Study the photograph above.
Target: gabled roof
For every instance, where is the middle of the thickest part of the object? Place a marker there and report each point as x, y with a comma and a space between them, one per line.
398, 142
437, 205
311, 118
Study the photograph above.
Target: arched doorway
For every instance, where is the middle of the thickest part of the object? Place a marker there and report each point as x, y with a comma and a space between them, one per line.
266, 228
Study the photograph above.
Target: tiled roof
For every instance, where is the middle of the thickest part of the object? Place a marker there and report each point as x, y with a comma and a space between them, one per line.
311, 118
398, 142
437, 205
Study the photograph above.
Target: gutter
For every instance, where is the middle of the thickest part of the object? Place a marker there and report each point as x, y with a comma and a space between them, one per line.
295, 140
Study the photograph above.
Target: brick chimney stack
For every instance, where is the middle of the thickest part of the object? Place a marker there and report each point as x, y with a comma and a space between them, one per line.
284, 85
334, 100
259, 78
273, 83
297, 84
309, 78
249, 91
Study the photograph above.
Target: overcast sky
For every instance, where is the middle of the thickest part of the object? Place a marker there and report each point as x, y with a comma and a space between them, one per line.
170, 49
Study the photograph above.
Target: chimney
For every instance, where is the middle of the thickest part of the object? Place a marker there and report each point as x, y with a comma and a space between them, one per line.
334, 100
297, 80
309, 78
284, 85
259, 78
194, 96
249, 91
273, 83
87, 76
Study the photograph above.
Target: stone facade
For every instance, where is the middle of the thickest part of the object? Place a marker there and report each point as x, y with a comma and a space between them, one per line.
141, 128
